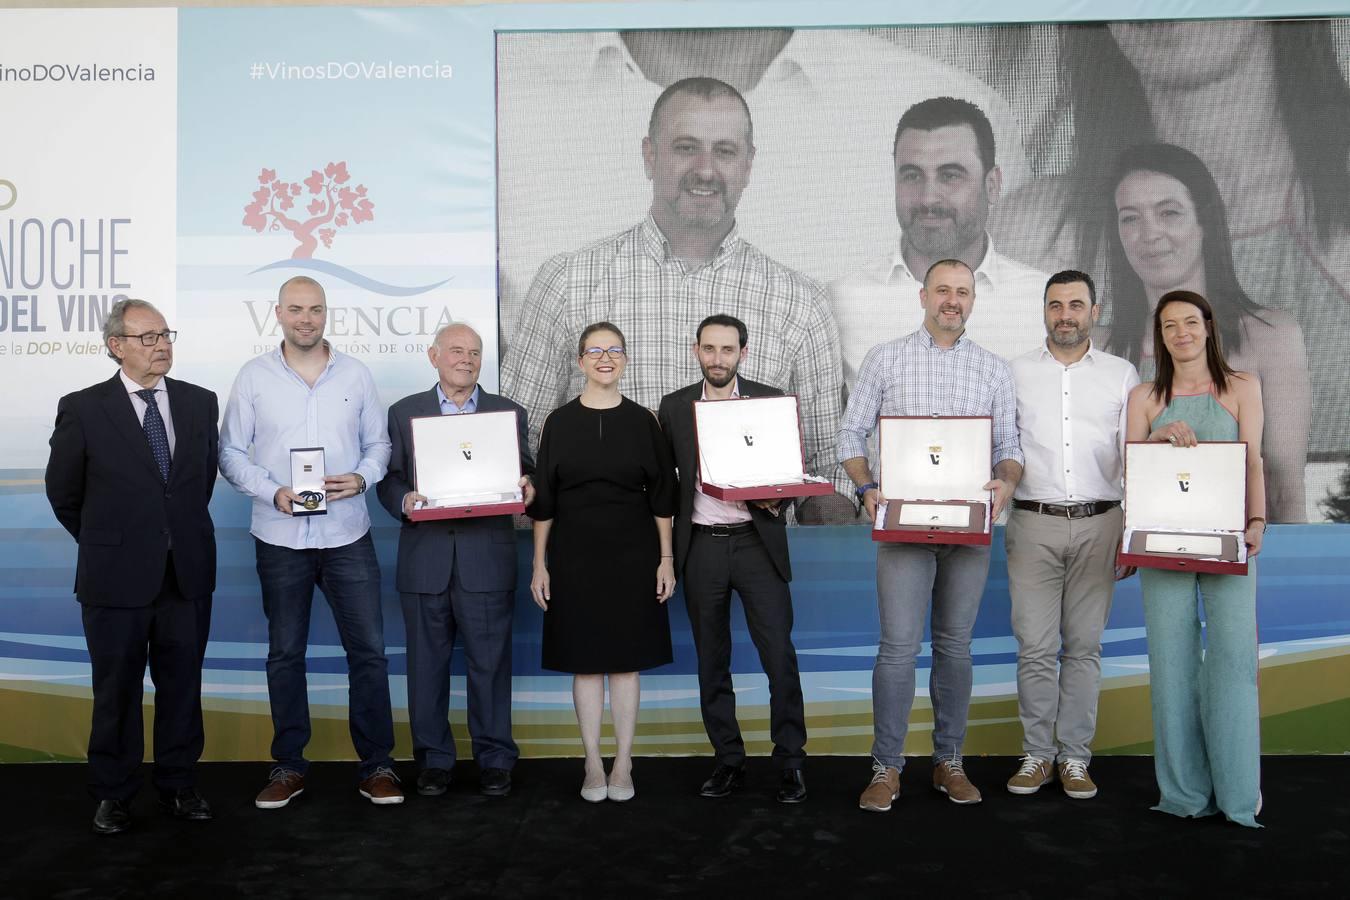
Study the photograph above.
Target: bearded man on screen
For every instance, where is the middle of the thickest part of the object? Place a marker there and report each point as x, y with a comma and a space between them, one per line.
685, 260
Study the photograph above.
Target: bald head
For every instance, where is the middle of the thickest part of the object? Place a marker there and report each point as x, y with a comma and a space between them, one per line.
457, 355
457, 331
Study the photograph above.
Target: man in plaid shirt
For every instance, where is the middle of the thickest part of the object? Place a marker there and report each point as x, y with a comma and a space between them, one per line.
684, 262
935, 370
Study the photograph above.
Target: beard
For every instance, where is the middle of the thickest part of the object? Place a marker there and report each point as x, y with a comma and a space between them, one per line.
722, 380
937, 238
943, 325
1071, 338
712, 211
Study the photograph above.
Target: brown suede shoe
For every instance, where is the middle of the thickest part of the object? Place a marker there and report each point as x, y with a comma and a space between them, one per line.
883, 790
949, 776
1032, 773
1073, 774
381, 787
283, 786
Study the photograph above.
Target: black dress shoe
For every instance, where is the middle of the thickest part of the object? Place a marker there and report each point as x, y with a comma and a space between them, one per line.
792, 786
723, 781
495, 782
186, 803
112, 816
433, 782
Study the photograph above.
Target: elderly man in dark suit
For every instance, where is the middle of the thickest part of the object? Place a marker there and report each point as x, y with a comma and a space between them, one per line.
132, 467
455, 576
723, 546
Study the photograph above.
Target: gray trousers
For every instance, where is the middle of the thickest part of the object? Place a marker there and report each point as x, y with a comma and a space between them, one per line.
1061, 573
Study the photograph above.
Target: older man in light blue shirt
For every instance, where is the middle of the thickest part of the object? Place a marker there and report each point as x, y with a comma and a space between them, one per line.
306, 394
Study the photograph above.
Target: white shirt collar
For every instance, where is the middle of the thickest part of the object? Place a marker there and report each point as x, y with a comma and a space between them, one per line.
132, 387
735, 389
610, 56
1090, 356
988, 267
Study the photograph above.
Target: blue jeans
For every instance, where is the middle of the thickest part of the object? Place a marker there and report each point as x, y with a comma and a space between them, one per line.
909, 576
349, 577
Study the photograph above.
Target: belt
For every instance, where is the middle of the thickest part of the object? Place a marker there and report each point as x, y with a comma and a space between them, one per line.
725, 530
1068, 510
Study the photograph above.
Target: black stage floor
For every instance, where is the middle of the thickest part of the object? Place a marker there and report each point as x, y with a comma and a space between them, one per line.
544, 841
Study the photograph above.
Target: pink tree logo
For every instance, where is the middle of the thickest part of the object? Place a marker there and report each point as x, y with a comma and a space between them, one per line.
332, 205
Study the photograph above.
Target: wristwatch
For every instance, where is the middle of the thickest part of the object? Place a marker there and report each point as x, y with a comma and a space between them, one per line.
866, 487
361, 478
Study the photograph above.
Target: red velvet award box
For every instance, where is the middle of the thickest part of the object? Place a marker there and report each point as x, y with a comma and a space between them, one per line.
467, 465
751, 449
933, 473
1185, 507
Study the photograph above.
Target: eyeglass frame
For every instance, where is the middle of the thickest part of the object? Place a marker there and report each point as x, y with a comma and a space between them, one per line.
169, 335
596, 353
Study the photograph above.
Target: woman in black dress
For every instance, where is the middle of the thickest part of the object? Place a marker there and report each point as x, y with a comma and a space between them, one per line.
603, 562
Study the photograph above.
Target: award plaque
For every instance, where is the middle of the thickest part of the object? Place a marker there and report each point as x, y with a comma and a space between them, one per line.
751, 449
1185, 507
933, 473
466, 465
307, 472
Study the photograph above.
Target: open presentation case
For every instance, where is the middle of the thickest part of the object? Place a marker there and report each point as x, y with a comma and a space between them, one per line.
1186, 507
751, 449
307, 474
466, 465
933, 473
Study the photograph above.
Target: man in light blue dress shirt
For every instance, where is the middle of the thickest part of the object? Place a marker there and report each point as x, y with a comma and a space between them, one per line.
934, 371
306, 394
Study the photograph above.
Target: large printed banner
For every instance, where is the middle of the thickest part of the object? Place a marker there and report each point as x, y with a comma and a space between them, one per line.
439, 165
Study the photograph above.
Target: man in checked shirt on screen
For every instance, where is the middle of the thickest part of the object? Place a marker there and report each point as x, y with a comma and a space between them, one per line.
684, 262
935, 370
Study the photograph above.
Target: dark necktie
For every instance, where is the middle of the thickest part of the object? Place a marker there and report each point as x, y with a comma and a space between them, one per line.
155, 432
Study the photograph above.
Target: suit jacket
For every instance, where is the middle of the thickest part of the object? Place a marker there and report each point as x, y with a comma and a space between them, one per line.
677, 421
105, 488
484, 546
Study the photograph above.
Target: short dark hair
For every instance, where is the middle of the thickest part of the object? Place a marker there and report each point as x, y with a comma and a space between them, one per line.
707, 88
939, 112
946, 262
1071, 276
592, 329
728, 321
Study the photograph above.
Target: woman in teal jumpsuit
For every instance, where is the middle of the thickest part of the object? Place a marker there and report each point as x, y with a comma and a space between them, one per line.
1206, 719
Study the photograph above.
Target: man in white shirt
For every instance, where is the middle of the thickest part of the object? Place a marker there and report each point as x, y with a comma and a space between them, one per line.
1063, 532
946, 180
